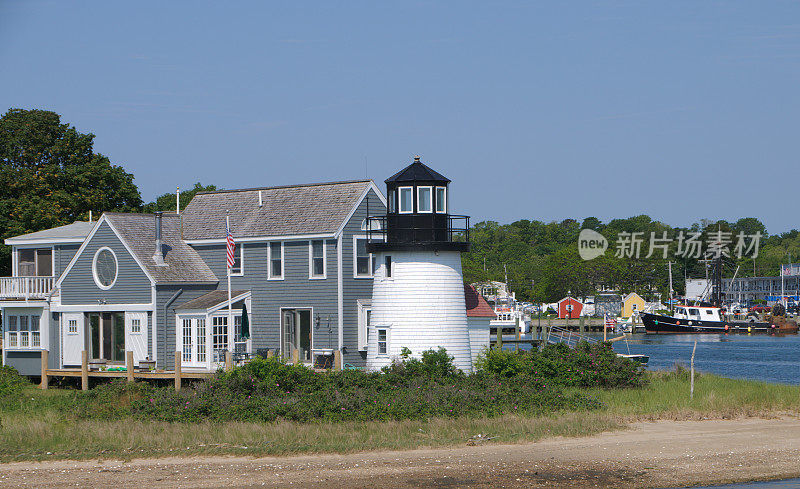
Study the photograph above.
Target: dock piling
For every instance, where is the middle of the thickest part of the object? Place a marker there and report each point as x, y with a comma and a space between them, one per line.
337, 360
129, 365
295, 356
44, 382
177, 370
228, 361
84, 370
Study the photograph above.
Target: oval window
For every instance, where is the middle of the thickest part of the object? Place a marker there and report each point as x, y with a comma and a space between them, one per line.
105, 268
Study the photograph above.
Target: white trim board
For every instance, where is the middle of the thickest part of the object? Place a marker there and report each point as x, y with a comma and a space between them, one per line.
258, 239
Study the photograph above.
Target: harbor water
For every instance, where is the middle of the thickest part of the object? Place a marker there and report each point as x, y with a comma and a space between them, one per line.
769, 358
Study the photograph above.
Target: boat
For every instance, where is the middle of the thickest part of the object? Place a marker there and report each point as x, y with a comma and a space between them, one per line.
637, 357
701, 319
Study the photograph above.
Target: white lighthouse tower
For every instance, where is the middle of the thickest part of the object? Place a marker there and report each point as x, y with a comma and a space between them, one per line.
418, 291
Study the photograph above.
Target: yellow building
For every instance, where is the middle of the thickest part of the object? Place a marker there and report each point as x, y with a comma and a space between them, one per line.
632, 302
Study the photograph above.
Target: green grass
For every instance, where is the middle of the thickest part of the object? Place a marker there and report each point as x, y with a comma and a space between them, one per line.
38, 430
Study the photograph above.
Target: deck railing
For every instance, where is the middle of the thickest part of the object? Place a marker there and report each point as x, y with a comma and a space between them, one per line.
25, 287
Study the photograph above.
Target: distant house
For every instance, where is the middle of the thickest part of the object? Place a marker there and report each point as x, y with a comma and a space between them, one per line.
479, 315
157, 284
631, 303
569, 307
607, 304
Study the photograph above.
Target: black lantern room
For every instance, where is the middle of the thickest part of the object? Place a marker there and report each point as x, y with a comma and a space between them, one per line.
418, 215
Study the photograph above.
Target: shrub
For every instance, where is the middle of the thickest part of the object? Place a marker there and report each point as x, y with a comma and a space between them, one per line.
11, 384
586, 365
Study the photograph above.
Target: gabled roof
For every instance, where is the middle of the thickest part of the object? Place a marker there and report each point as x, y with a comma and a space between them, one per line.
70, 233
320, 208
212, 299
476, 304
417, 171
567, 298
630, 295
183, 263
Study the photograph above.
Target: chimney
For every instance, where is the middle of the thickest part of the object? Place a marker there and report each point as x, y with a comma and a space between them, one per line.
260, 199
158, 256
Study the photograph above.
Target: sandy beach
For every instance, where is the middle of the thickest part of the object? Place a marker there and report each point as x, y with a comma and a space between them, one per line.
649, 454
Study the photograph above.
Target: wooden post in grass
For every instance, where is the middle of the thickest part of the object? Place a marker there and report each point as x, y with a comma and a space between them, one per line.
691, 375
295, 356
337, 360
228, 361
269, 354
84, 370
43, 385
129, 365
177, 370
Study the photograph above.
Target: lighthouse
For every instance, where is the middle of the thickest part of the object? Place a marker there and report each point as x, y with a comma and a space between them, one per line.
418, 291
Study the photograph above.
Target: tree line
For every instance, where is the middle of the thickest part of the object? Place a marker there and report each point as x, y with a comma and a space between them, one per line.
51, 176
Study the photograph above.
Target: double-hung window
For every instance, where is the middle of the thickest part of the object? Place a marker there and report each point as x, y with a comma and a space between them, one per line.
364, 321
275, 260
424, 199
383, 341
406, 200
441, 200
238, 255
316, 252
364, 261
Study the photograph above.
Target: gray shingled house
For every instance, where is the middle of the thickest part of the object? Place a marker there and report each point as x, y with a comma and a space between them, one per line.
155, 285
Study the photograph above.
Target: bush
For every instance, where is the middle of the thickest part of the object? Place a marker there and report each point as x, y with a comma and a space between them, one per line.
11, 384
586, 365
269, 390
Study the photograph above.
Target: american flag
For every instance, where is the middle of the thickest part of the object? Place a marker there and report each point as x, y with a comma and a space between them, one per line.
231, 245
610, 321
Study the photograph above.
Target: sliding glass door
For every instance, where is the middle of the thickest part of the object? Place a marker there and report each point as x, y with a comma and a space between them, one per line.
107, 336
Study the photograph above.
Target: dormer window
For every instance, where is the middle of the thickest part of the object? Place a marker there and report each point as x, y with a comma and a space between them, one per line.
424, 200
406, 200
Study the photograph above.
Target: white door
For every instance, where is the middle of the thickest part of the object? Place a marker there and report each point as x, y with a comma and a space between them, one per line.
136, 335
72, 337
192, 341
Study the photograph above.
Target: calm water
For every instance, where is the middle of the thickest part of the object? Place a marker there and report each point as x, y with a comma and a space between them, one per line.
758, 357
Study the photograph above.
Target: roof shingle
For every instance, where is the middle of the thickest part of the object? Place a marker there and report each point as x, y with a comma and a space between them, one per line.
290, 210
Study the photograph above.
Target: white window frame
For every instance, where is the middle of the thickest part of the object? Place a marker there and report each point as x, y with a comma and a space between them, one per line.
72, 326
378, 330
94, 268
136, 325
364, 315
392, 201
15, 259
311, 275
436, 200
400, 200
388, 272
370, 273
19, 339
240, 248
270, 276
430, 199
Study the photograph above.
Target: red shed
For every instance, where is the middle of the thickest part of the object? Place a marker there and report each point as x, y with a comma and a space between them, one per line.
569, 307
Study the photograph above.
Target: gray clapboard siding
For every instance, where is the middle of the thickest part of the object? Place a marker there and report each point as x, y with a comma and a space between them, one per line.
269, 296
54, 358
63, 255
132, 285
165, 329
26, 362
355, 288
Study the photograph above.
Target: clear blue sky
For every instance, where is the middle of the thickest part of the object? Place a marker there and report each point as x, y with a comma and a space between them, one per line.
548, 110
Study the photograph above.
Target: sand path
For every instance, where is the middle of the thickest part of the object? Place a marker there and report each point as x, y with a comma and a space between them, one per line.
653, 454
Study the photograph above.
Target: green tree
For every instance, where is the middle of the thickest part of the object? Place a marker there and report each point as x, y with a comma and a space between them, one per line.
166, 202
50, 176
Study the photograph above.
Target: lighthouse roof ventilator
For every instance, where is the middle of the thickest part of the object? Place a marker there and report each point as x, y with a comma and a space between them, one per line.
418, 292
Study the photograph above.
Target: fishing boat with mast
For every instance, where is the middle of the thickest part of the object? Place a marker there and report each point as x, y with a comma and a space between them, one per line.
707, 317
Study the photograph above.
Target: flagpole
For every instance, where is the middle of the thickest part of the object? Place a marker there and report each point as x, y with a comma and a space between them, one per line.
231, 328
